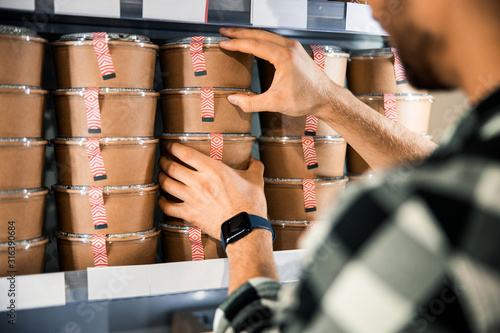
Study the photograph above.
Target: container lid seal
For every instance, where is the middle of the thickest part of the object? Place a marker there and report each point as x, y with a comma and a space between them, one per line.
112, 36
187, 40
12, 30
372, 53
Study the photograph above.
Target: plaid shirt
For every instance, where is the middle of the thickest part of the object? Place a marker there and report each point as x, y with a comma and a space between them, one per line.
418, 250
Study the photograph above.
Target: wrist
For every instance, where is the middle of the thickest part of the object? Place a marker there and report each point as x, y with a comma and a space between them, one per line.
241, 225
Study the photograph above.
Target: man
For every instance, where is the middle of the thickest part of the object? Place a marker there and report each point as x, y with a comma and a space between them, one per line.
419, 255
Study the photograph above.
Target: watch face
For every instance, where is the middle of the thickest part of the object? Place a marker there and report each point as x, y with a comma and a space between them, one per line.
236, 228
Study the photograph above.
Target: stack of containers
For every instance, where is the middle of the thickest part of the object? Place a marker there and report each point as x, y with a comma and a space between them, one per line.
304, 158
22, 151
198, 76
377, 77
105, 152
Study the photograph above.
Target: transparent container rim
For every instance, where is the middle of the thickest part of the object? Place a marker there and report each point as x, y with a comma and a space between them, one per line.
187, 40
105, 188
284, 180
196, 89
386, 51
107, 90
320, 137
25, 139
26, 242
59, 232
21, 87
20, 31
111, 36
206, 135
106, 139
290, 221
25, 191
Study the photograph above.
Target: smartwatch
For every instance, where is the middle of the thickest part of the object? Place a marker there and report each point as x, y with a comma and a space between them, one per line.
241, 225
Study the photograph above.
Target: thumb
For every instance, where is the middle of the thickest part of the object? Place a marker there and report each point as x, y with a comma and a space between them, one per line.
254, 103
255, 166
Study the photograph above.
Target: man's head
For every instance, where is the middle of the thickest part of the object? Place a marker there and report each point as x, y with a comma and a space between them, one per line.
430, 35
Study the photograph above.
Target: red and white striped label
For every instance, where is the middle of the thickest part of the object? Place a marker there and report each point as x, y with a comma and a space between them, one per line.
104, 60
216, 146
91, 97
319, 56
197, 252
207, 105
399, 70
99, 250
390, 108
97, 207
311, 125
309, 152
355, 1
309, 190
95, 159
197, 56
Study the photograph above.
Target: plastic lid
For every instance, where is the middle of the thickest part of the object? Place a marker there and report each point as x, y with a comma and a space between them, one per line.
109, 236
187, 40
405, 96
172, 226
25, 191
371, 53
14, 86
112, 36
329, 49
12, 30
106, 90
298, 137
25, 242
196, 89
300, 180
289, 221
27, 140
204, 135
105, 188
105, 139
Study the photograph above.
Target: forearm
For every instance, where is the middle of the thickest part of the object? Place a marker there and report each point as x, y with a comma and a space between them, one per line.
251, 257
379, 140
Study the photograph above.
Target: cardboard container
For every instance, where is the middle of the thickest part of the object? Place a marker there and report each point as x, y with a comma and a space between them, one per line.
372, 72
335, 66
21, 165
413, 110
223, 68
30, 256
133, 56
22, 213
21, 110
283, 157
124, 112
236, 148
285, 198
127, 161
182, 112
75, 250
21, 56
177, 247
288, 234
128, 208
278, 124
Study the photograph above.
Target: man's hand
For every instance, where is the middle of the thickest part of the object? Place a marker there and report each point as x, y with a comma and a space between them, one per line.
211, 194
299, 87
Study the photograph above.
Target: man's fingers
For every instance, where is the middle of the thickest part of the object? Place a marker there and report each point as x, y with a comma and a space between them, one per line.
259, 48
176, 170
255, 103
246, 33
173, 187
173, 209
256, 166
190, 156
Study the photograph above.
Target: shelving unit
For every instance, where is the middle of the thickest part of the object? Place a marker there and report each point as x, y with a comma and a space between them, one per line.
75, 301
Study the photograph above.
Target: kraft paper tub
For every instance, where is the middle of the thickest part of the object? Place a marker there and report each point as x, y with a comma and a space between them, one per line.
128, 208
283, 157
21, 165
21, 56
133, 58
335, 66
127, 161
278, 124
29, 256
21, 110
236, 148
289, 233
413, 110
202, 110
176, 245
138, 248
123, 112
22, 213
372, 72
285, 198
221, 68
